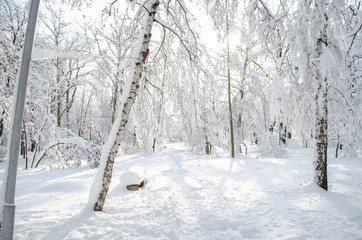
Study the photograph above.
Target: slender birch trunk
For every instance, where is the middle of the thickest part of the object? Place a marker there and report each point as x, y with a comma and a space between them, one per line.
321, 112
140, 51
232, 142
321, 136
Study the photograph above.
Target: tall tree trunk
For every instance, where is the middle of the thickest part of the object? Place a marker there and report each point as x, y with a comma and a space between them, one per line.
24, 145
321, 137
232, 149
321, 100
58, 93
338, 146
111, 148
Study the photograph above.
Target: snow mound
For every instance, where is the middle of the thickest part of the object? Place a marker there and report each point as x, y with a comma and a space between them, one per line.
134, 176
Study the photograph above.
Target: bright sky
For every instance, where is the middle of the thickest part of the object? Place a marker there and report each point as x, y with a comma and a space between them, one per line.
208, 36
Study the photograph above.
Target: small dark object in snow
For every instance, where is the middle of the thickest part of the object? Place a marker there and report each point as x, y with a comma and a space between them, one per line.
135, 187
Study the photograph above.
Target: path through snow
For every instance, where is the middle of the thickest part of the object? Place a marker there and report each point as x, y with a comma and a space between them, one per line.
192, 196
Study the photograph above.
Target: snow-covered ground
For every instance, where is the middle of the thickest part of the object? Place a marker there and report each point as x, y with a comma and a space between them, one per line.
191, 196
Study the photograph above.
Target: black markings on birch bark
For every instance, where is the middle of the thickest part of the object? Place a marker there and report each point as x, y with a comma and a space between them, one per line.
321, 110
137, 75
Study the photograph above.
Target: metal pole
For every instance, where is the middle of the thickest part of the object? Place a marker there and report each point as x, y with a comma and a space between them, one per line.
15, 127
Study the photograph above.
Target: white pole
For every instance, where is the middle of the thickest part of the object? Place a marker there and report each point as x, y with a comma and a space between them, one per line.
9, 182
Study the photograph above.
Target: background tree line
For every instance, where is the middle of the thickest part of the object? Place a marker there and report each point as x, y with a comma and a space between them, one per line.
261, 78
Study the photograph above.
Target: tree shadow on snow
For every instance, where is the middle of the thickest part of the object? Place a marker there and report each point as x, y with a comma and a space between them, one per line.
82, 219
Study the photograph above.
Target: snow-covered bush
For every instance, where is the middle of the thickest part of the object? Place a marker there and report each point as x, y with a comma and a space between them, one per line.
268, 146
70, 150
69, 153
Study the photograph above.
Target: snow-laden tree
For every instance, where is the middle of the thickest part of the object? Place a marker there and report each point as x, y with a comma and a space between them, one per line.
142, 38
57, 75
13, 21
345, 87
65, 69
149, 115
319, 21
317, 40
177, 13
250, 98
109, 47
223, 15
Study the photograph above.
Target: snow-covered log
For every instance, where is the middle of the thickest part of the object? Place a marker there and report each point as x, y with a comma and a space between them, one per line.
134, 178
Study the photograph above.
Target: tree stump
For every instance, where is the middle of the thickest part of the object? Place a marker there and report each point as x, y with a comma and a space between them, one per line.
135, 187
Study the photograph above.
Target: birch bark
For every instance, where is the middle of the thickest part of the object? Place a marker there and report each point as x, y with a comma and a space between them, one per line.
103, 179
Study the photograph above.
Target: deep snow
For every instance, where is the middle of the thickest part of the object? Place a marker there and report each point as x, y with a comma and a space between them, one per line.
193, 196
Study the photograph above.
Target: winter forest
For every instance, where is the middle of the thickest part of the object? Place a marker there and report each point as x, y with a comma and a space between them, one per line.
237, 111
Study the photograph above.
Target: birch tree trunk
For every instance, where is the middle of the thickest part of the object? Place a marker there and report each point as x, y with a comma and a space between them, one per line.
119, 127
321, 100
